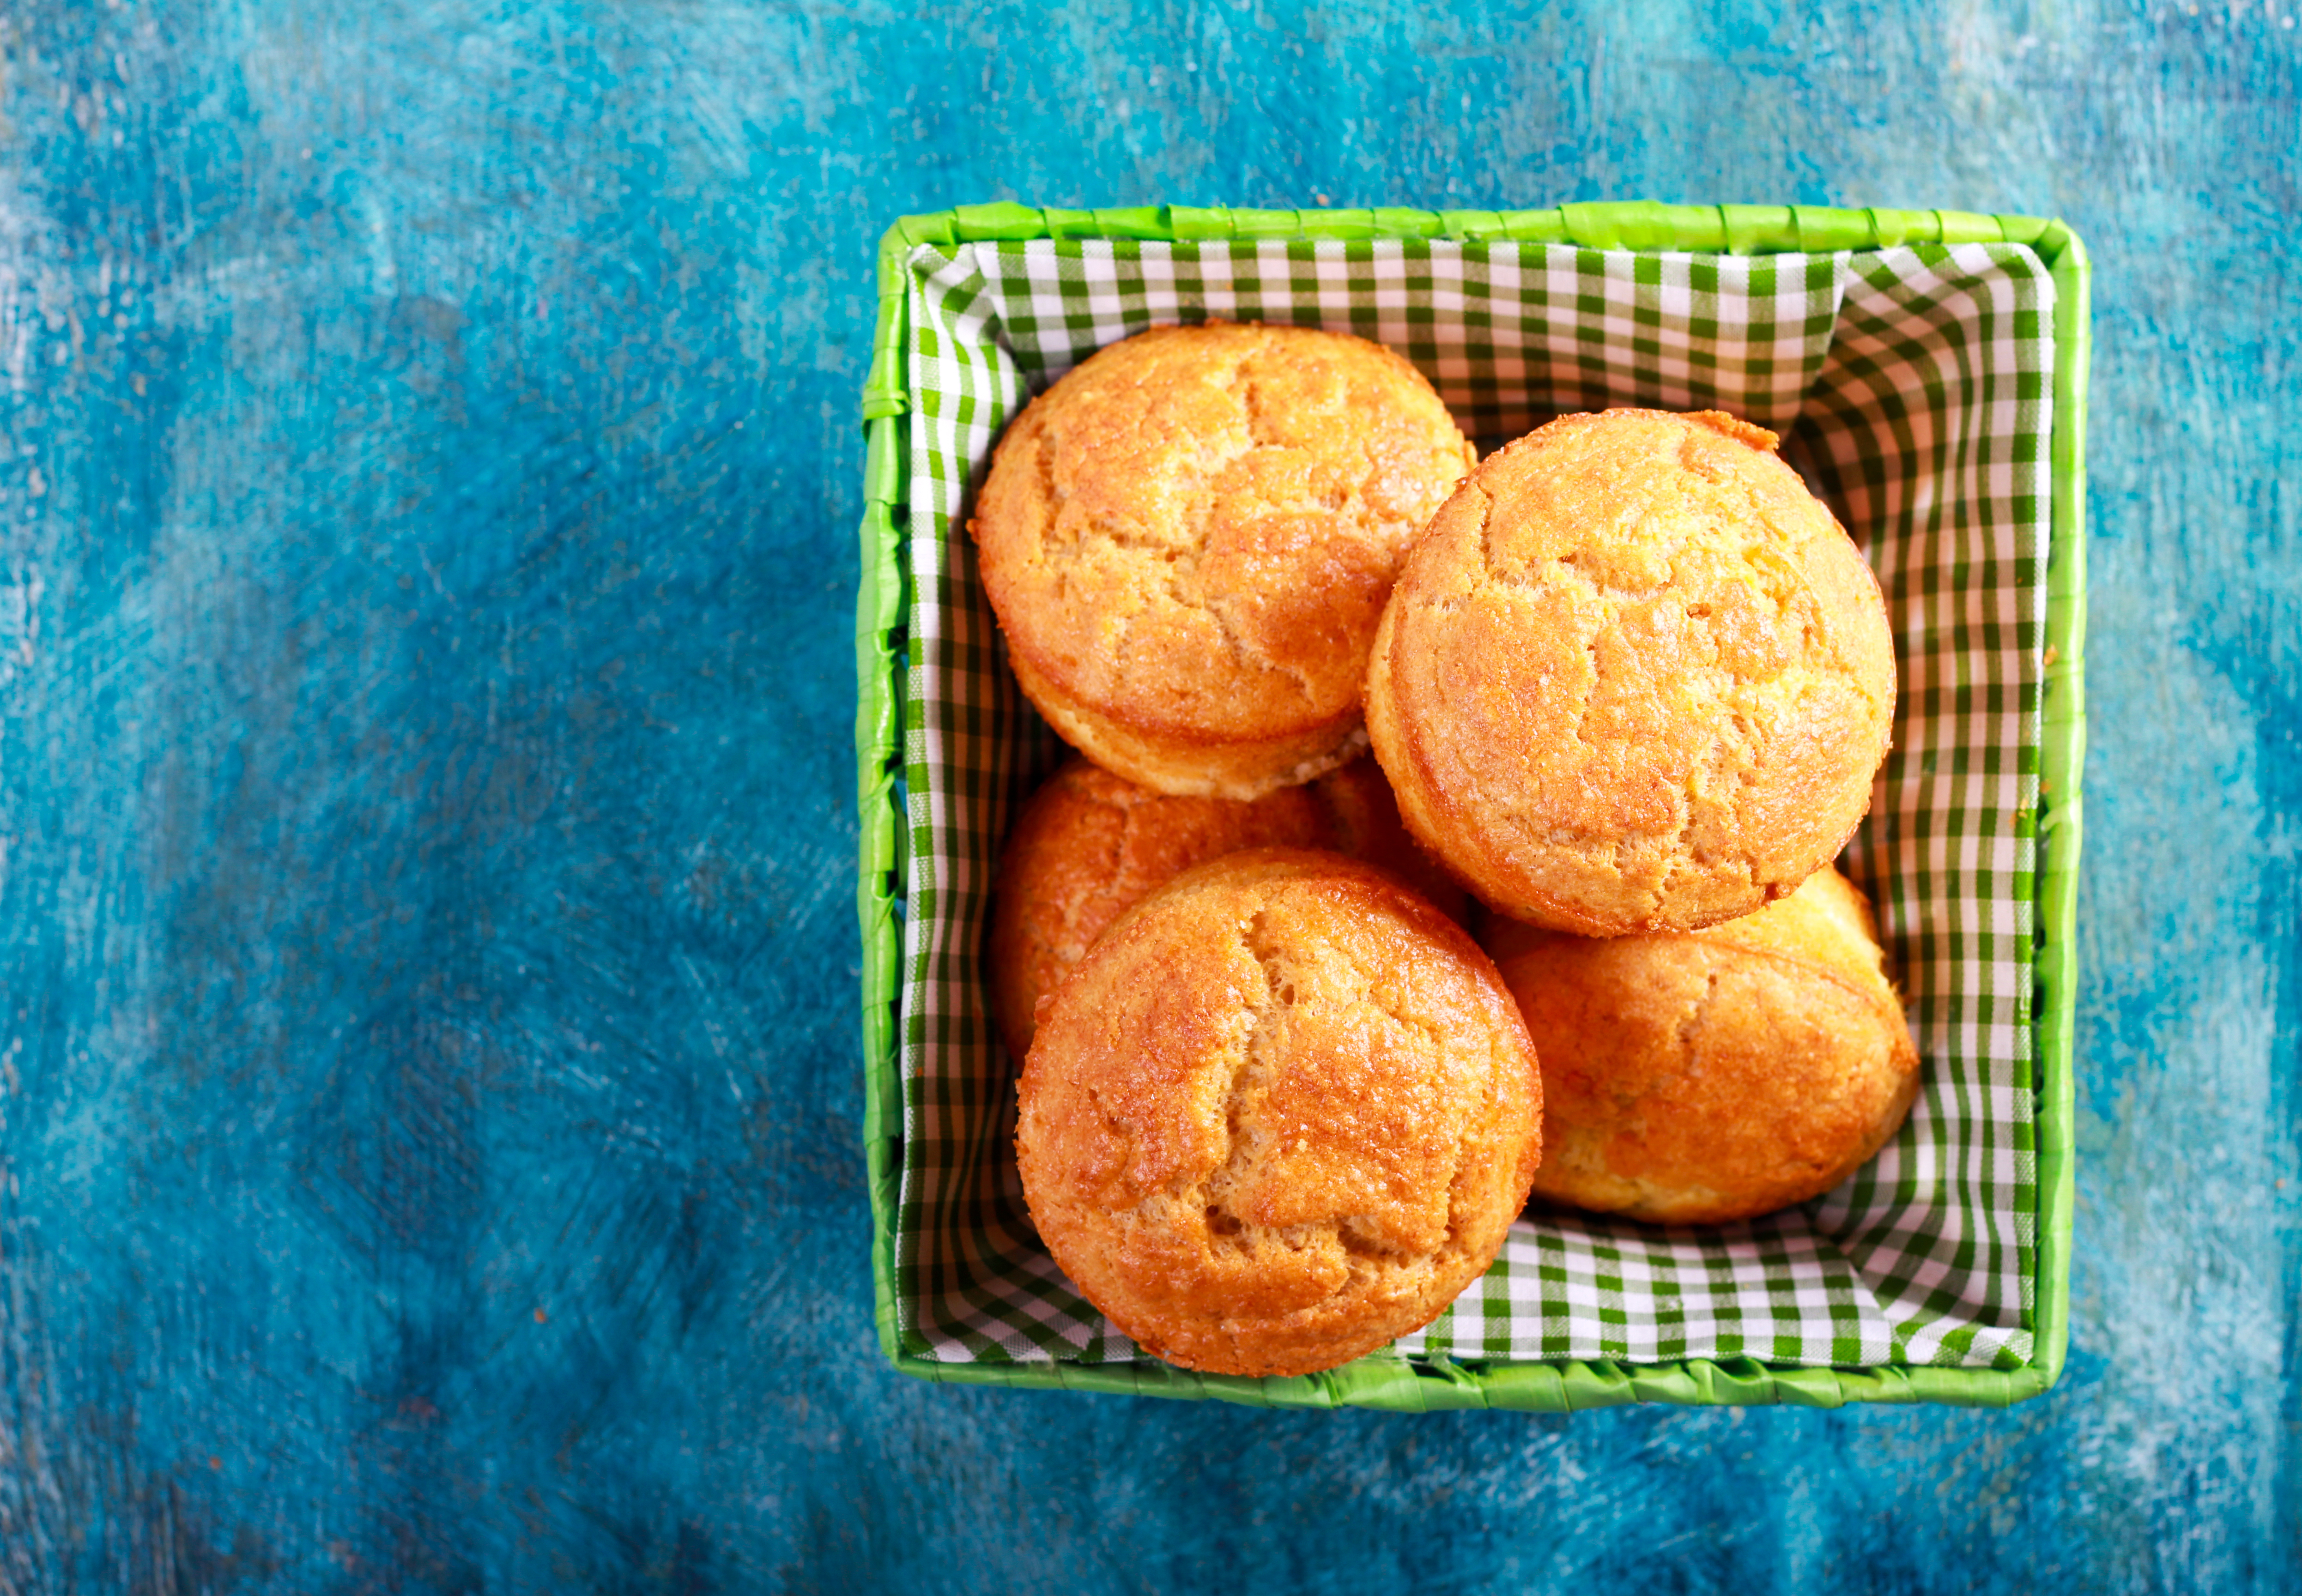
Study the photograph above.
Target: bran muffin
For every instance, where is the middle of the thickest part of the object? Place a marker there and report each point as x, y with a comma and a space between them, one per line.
1635, 677
1713, 1075
1090, 845
1282, 1112
1188, 540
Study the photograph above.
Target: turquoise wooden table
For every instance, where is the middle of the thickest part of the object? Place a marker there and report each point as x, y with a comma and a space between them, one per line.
428, 1039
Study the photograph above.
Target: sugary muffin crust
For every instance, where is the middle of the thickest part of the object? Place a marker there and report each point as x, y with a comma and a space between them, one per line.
1188, 541
1635, 677
1713, 1075
1284, 1113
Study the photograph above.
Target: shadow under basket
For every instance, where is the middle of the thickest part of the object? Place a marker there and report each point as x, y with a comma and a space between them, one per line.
1927, 370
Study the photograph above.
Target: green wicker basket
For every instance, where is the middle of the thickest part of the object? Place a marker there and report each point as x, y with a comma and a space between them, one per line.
1585, 303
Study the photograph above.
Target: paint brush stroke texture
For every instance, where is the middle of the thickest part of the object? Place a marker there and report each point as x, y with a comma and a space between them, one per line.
427, 1022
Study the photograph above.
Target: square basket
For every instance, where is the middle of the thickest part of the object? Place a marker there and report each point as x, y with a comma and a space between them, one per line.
1928, 371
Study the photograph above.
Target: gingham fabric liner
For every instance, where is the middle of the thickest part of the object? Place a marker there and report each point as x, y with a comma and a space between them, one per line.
1913, 386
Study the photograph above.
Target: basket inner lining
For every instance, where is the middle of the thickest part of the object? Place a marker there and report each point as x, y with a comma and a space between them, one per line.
1912, 386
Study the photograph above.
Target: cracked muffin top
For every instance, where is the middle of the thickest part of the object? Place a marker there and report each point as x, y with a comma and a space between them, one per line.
1284, 1113
1636, 678
1188, 541
1091, 845
1713, 1075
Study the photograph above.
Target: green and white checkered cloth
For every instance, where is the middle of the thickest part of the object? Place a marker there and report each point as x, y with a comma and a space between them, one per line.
1914, 387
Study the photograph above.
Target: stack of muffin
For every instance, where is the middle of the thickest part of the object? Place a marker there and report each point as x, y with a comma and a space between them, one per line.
1626, 681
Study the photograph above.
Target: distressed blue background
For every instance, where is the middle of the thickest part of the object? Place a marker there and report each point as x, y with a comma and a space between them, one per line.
427, 981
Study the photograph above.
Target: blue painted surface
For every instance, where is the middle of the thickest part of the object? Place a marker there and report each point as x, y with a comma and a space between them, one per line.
425, 579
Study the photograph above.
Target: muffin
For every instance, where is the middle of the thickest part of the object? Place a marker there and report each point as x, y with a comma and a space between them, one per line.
1716, 1074
1188, 541
1090, 845
1636, 678
1282, 1112
1363, 821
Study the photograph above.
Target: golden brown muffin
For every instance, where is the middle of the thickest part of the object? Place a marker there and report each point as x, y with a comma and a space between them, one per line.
1636, 678
1282, 1114
1712, 1075
1188, 541
1090, 845
1363, 821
